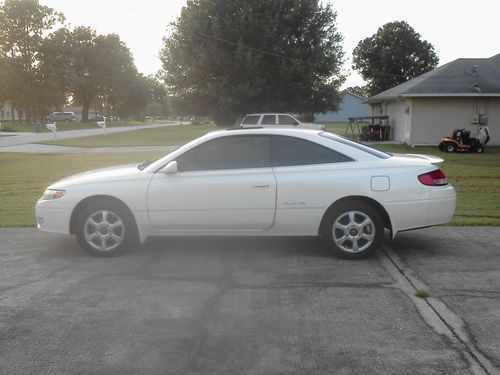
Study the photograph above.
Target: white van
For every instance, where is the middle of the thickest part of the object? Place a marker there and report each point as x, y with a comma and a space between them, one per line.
276, 120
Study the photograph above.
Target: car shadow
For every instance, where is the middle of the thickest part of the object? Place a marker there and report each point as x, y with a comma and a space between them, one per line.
289, 246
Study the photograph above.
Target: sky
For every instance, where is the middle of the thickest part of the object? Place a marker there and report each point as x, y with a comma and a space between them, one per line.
456, 29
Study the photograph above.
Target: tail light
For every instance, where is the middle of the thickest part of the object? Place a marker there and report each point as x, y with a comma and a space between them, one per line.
434, 178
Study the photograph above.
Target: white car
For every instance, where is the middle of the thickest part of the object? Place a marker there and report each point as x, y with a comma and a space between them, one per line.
265, 182
277, 120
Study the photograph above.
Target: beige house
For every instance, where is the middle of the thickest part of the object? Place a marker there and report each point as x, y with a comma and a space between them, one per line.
464, 93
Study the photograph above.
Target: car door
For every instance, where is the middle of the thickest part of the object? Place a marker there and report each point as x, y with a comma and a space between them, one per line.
224, 184
307, 175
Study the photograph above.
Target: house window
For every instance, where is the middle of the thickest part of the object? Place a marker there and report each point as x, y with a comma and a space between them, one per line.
8, 113
2, 113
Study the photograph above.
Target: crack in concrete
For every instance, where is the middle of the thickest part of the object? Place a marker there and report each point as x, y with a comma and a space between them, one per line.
434, 312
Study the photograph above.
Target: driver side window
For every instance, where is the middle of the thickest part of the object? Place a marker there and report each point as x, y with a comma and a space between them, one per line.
231, 152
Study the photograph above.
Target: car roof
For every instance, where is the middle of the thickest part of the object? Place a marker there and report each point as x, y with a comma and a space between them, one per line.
266, 131
270, 113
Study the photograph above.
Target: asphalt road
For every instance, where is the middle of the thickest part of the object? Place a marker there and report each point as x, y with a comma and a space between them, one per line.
251, 306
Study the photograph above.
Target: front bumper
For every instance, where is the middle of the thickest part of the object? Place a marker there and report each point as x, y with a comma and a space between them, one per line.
52, 219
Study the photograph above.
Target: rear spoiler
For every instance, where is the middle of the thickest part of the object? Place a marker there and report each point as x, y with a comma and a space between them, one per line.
430, 158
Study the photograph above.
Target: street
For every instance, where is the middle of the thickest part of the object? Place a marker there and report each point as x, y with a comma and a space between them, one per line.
251, 306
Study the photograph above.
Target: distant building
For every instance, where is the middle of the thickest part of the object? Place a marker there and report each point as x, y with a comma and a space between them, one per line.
351, 105
464, 93
8, 113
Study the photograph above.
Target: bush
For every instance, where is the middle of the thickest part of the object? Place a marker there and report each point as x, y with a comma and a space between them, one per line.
225, 119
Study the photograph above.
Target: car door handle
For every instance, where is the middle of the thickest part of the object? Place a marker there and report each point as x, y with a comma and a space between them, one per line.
260, 186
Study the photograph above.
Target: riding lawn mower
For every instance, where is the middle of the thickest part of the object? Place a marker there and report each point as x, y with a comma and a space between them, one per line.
461, 141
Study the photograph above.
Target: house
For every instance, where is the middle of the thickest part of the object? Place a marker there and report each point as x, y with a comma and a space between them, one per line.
8, 113
464, 93
351, 105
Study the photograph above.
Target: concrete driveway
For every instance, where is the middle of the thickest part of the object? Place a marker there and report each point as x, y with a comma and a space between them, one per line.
251, 306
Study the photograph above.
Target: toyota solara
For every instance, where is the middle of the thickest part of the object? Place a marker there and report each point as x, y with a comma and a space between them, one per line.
265, 182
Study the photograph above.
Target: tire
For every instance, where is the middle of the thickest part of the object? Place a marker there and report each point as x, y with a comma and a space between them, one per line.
105, 229
353, 230
479, 149
450, 147
441, 146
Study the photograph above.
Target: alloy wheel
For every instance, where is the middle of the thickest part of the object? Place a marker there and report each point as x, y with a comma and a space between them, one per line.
104, 230
353, 231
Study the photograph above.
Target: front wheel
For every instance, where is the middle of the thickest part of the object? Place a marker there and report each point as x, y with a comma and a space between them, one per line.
105, 229
353, 231
450, 147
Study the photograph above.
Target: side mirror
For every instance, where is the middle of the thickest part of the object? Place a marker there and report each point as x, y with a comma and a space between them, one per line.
170, 168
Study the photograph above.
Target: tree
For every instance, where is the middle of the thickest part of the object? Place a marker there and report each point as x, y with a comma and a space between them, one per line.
22, 28
157, 103
358, 90
226, 58
395, 54
96, 68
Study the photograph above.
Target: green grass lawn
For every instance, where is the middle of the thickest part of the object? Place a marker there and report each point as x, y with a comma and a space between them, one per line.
336, 127
24, 177
73, 125
476, 177
174, 135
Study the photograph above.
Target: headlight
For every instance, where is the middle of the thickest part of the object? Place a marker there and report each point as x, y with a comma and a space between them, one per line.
50, 194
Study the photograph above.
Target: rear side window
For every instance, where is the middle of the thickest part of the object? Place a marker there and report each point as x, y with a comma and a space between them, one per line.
288, 151
357, 145
269, 120
251, 120
286, 120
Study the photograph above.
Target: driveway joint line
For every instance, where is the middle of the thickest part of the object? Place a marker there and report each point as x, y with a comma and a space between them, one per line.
453, 323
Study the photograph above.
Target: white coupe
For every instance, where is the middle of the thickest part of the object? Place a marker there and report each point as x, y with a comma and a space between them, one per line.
265, 182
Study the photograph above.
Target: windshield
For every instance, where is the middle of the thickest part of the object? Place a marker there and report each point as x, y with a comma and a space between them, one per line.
356, 145
144, 164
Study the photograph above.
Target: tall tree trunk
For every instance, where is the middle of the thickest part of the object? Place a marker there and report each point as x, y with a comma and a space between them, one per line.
86, 102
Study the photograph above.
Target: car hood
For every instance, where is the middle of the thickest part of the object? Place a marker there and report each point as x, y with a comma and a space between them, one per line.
118, 173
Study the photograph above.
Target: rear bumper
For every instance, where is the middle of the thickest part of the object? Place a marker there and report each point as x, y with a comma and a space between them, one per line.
437, 209
441, 205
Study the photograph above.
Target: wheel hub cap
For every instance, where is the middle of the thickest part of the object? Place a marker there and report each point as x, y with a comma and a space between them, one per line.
104, 230
353, 231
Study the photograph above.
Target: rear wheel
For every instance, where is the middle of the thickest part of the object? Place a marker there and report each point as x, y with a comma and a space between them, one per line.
353, 230
105, 229
479, 149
